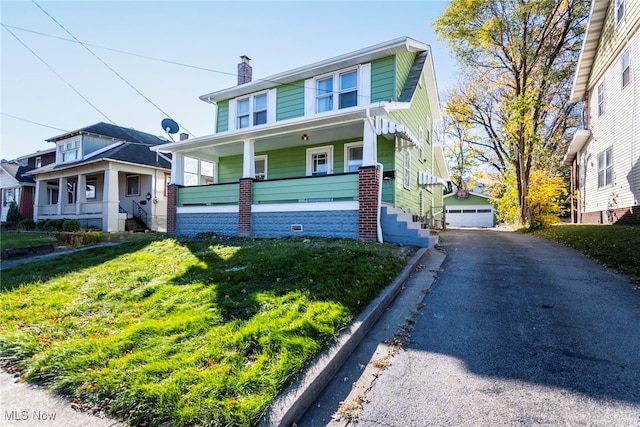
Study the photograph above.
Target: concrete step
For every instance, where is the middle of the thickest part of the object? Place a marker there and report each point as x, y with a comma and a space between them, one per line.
399, 227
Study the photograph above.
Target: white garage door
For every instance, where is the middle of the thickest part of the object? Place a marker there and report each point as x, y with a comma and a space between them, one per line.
469, 216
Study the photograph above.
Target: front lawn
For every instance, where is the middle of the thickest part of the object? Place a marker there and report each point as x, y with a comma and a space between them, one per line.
17, 240
616, 247
186, 332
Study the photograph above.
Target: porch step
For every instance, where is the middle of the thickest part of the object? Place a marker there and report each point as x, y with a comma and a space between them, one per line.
399, 227
134, 225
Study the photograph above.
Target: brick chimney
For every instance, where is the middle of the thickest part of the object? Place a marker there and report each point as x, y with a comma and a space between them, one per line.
184, 136
244, 70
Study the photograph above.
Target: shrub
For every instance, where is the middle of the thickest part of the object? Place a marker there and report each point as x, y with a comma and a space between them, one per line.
77, 239
13, 214
71, 225
53, 224
27, 224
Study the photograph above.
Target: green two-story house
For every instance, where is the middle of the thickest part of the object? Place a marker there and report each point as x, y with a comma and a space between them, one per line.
343, 148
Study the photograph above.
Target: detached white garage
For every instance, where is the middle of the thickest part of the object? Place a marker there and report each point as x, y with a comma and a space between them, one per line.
466, 209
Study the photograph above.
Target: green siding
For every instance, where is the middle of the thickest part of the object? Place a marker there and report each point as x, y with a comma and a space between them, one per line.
290, 101
223, 117
383, 79
209, 195
404, 61
333, 187
471, 200
230, 169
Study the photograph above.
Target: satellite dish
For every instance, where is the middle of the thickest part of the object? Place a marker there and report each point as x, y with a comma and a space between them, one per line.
170, 126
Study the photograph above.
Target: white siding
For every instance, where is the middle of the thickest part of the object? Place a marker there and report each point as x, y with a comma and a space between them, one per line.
619, 128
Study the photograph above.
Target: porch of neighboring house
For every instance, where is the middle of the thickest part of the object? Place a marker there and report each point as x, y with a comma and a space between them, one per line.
111, 200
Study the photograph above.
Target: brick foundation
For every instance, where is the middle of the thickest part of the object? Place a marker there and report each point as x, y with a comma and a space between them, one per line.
244, 207
172, 208
621, 216
368, 187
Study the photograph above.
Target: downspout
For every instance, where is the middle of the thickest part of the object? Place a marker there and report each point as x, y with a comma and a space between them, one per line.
381, 168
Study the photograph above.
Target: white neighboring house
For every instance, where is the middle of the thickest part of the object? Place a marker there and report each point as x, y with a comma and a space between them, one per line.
605, 155
107, 177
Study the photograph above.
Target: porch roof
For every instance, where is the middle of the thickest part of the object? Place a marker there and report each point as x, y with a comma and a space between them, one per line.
326, 127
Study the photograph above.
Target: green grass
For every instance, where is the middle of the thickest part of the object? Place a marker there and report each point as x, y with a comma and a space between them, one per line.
186, 332
616, 247
16, 240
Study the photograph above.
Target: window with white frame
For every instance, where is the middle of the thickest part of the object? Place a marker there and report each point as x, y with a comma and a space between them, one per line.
601, 98
91, 189
344, 85
38, 162
352, 156
320, 161
626, 68
8, 196
251, 111
421, 144
429, 132
619, 9
605, 168
407, 167
133, 185
69, 151
198, 171
261, 167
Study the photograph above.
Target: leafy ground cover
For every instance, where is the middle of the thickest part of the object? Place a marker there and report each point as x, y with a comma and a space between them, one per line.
185, 332
16, 240
616, 247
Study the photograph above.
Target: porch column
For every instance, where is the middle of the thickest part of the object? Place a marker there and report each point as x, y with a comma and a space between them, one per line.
244, 207
369, 144
36, 199
177, 168
368, 183
110, 200
62, 194
81, 193
249, 159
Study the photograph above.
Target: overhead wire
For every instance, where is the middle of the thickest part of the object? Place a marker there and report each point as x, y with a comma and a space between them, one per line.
57, 74
31, 121
106, 65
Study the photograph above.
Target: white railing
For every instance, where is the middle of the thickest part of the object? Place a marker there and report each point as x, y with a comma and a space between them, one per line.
91, 208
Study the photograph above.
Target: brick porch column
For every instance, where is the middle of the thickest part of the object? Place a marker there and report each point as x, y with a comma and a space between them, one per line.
368, 184
172, 208
244, 207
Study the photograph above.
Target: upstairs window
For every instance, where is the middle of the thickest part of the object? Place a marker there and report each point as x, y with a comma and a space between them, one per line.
619, 8
251, 111
601, 99
38, 162
626, 69
69, 151
605, 168
343, 85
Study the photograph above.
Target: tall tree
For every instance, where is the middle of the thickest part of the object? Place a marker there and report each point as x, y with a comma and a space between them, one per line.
519, 57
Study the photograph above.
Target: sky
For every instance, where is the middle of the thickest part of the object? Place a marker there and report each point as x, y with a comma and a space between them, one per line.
142, 61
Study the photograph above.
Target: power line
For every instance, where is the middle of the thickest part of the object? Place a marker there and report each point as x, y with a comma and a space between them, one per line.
35, 123
105, 64
56, 73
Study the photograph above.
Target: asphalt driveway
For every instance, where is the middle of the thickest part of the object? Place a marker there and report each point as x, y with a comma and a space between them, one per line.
516, 331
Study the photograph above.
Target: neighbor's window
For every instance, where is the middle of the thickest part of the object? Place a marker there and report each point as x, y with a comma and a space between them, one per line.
69, 151
619, 8
626, 68
352, 156
38, 163
605, 168
343, 84
91, 189
601, 99
407, 168
133, 185
320, 161
261, 168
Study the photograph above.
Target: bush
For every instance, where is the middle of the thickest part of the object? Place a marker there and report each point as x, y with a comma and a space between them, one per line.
53, 224
71, 225
13, 214
27, 224
77, 239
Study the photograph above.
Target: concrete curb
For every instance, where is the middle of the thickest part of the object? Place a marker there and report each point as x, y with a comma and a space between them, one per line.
296, 399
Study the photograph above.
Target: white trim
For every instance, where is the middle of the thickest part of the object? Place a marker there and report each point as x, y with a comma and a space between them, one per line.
306, 207
233, 107
264, 157
316, 150
207, 209
364, 84
347, 146
272, 99
309, 97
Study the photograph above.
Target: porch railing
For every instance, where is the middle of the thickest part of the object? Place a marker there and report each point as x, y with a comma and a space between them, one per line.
140, 213
337, 187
